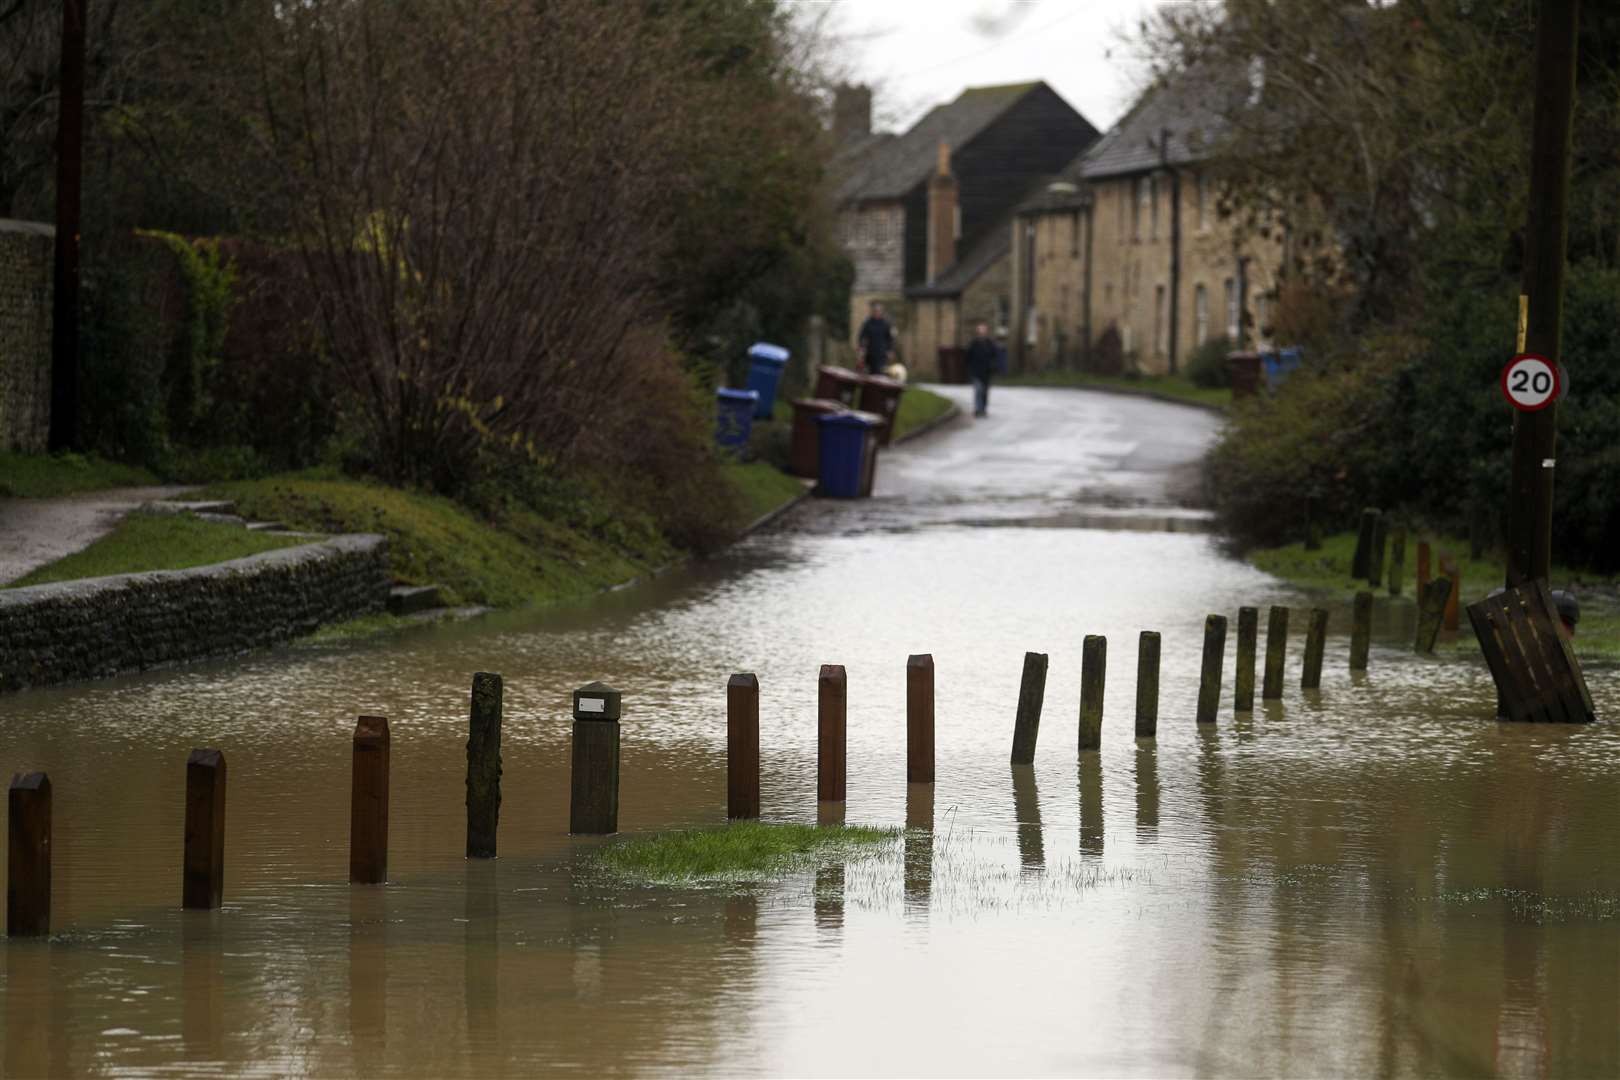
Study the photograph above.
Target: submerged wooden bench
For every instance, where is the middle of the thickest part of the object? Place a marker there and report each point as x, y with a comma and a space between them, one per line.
1537, 675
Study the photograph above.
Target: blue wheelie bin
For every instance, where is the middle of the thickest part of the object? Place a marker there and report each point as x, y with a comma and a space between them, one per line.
846, 439
765, 364
734, 417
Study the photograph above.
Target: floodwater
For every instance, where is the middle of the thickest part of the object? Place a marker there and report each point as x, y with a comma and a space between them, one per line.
1373, 879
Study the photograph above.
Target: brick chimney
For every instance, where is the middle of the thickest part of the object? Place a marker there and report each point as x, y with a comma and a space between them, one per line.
941, 215
852, 112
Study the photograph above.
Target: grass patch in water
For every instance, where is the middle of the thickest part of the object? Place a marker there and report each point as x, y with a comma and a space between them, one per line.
144, 542
739, 852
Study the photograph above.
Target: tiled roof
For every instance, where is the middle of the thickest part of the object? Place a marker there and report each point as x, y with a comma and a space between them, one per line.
995, 244
890, 168
1184, 107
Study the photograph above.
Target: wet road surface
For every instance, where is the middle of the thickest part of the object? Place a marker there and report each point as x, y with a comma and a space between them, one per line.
1372, 879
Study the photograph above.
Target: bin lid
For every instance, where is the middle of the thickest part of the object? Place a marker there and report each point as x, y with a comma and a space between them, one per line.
839, 373
725, 393
849, 418
764, 350
819, 405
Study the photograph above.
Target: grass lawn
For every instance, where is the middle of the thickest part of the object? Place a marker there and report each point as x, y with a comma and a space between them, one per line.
739, 852
763, 488
918, 407
158, 542
1171, 386
1328, 570
44, 476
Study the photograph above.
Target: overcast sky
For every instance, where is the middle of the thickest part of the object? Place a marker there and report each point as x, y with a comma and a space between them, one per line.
921, 53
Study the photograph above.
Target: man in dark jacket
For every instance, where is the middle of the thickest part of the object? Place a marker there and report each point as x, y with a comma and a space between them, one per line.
981, 363
875, 342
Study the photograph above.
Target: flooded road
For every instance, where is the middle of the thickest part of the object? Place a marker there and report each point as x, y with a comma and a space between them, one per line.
1373, 879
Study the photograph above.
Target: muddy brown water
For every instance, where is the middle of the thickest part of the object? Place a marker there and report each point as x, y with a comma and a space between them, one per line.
1373, 879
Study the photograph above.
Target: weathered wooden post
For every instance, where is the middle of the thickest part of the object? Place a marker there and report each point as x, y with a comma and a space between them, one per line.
1147, 684
202, 878
1315, 647
1375, 556
1031, 694
1093, 674
1363, 556
1276, 652
28, 856
1431, 613
1397, 560
1248, 642
1422, 566
368, 803
1209, 678
1361, 631
742, 746
1448, 567
920, 719
594, 799
484, 765
831, 733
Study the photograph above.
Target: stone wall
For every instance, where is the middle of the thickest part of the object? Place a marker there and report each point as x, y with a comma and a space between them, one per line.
96, 627
25, 334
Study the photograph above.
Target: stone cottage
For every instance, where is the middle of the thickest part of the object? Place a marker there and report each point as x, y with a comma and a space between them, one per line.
1126, 247
926, 215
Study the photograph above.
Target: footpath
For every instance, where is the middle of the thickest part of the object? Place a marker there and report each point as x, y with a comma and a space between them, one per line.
35, 532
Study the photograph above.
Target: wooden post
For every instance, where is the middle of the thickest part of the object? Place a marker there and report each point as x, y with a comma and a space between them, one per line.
1361, 631
920, 719
368, 803
484, 765
1248, 641
1031, 695
1093, 674
1209, 678
202, 883
1431, 613
1397, 560
1422, 566
1363, 556
742, 746
594, 786
28, 856
1147, 684
831, 733
1375, 554
1276, 652
1448, 567
1315, 647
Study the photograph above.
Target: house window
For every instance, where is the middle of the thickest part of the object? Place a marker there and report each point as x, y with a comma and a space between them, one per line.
1119, 200
1074, 235
1139, 206
1231, 310
1262, 315
1063, 304
1153, 207
1203, 202
1158, 321
1200, 315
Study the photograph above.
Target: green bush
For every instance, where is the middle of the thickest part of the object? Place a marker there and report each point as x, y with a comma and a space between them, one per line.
1207, 367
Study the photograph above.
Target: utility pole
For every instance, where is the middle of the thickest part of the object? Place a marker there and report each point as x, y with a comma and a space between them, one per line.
64, 430
1535, 434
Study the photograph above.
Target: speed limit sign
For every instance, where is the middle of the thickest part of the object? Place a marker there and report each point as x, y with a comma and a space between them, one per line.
1531, 382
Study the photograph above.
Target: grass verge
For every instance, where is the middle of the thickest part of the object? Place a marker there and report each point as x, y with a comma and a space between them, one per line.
1327, 570
45, 476
158, 542
740, 852
918, 407
763, 487
1176, 387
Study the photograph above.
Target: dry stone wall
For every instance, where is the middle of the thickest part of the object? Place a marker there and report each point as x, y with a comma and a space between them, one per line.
74, 630
25, 334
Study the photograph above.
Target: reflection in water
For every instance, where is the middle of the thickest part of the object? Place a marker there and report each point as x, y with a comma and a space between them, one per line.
1147, 791
829, 902
919, 845
35, 1011
481, 954
1027, 813
1091, 803
368, 976
201, 1028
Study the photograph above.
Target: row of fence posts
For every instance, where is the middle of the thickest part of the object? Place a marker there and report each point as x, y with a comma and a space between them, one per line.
594, 780
1439, 599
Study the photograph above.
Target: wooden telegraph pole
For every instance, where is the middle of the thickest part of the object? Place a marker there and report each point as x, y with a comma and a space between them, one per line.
1535, 434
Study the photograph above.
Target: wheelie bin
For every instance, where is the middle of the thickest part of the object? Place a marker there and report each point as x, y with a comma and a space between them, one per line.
846, 444
838, 383
881, 395
804, 458
734, 416
765, 364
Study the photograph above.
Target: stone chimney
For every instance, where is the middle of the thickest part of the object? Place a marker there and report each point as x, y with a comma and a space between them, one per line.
852, 112
941, 215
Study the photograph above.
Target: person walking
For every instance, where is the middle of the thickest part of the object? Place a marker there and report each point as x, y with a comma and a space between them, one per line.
981, 364
875, 343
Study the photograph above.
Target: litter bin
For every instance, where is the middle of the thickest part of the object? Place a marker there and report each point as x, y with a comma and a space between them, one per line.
881, 395
765, 364
847, 444
734, 416
1244, 368
837, 383
952, 365
805, 456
